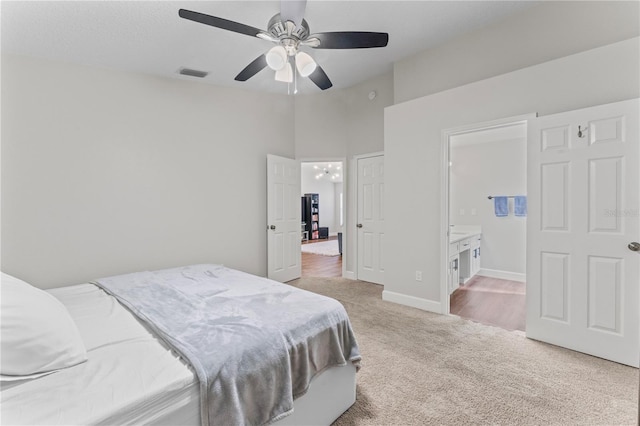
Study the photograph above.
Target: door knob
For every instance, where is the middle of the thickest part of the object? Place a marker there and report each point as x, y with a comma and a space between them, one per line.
634, 246
359, 225
272, 227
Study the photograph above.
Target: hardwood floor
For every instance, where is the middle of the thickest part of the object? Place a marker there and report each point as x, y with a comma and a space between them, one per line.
491, 301
317, 265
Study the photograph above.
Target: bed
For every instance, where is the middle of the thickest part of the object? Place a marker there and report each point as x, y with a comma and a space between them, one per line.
132, 376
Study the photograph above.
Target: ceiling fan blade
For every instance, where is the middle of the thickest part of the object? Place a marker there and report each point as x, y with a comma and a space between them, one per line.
319, 77
214, 21
253, 68
350, 40
292, 10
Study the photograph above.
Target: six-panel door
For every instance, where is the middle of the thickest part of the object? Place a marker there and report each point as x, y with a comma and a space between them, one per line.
583, 187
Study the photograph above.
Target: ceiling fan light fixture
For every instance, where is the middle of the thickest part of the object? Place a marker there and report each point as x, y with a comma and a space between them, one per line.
285, 74
290, 30
305, 64
277, 58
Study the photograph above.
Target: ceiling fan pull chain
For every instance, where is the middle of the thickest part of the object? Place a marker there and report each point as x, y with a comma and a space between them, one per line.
290, 82
295, 75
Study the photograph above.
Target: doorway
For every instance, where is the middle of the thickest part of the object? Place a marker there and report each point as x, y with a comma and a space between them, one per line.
322, 204
486, 259
582, 263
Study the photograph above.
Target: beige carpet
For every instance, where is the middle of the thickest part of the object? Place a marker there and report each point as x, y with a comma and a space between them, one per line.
421, 369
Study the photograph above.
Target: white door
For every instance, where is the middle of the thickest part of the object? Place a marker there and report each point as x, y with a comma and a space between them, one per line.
583, 187
370, 225
283, 218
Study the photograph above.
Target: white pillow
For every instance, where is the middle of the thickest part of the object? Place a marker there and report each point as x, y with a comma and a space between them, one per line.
37, 334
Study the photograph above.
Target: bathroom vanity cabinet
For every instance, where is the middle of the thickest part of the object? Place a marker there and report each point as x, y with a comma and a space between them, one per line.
464, 257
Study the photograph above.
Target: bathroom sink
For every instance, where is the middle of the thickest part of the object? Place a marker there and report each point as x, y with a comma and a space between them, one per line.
464, 231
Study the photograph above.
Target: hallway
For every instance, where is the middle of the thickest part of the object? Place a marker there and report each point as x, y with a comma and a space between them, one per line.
317, 265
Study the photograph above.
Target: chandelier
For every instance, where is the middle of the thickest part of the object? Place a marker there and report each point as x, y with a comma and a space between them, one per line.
328, 172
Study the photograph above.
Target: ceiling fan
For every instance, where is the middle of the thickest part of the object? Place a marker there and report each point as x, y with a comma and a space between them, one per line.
289, 30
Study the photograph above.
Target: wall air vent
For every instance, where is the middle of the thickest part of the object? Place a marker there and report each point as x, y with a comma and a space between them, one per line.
193, 73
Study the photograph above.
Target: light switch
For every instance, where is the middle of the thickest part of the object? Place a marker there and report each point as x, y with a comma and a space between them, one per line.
461, 212
473, 212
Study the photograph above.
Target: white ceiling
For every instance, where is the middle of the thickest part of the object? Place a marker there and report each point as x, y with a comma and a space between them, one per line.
149, 37
329, 171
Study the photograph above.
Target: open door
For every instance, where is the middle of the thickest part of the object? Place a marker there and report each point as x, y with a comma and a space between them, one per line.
283, 218
583, 263
370, 216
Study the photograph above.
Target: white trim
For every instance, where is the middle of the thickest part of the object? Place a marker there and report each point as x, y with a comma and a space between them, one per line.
350, 275
372, 154
444, 193
493, 124
503, 275
351, 202
414, 302
444, 224
321, 159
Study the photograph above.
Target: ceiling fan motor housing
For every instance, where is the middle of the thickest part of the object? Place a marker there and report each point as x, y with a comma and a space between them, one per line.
288, 33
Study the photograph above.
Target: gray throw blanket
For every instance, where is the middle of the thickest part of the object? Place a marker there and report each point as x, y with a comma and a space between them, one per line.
255, 344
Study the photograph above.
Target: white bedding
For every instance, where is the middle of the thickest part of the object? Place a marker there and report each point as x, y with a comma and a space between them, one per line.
130, 375
254, 343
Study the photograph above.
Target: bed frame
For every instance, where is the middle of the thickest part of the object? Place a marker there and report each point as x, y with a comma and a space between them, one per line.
330, 394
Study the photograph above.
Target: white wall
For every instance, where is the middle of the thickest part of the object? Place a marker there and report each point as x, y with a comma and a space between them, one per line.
320, 125
92, 154
365, 117
106, 172
325, 189
548, 31
480, 170
413, 157
342, 123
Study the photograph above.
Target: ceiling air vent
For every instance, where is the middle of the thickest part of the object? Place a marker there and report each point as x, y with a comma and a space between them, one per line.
193, 73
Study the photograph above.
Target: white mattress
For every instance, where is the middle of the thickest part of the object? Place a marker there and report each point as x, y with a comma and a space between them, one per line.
130, 376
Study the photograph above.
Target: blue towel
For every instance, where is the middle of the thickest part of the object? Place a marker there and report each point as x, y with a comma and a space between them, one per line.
501, 206
520, 205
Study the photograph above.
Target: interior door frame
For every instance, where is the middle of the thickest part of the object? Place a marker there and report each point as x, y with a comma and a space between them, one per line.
354, 218
345, 192
444, 190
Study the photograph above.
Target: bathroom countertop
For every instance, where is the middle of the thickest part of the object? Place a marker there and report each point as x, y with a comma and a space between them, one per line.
454, 238
459, 233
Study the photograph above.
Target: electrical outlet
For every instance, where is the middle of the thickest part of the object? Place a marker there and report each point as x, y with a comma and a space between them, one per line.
461, 212
418, 275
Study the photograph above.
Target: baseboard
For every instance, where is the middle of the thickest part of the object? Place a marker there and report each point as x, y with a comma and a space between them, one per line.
503, 275
350, 275
414, 302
